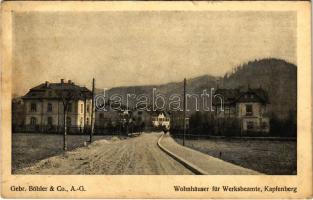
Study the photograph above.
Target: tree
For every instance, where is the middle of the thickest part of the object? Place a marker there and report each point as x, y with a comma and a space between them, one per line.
291, 124
66, 96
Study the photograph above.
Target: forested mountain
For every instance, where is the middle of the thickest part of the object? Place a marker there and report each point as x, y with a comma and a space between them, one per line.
277, 77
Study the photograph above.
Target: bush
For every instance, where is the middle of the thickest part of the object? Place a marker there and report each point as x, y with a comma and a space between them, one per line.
284, 127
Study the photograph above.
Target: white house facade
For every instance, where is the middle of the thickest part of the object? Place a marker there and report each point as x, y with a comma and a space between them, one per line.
249, 107
161, 119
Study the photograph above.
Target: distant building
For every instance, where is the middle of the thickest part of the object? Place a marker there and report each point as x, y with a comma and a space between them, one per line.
160, 119
44, 107
142, 119
248, 106
108, 121
114, 117
107, 118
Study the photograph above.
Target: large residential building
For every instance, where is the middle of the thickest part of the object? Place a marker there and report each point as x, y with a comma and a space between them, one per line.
44, 107
248, 106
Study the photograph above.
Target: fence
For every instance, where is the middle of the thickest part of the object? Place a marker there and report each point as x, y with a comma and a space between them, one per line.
209, 132
98, 130
49, 129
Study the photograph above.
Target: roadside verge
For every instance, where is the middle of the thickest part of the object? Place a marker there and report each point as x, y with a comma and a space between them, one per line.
179, 159
198, 162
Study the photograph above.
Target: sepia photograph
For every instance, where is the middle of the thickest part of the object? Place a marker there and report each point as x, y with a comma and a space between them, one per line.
156, 92
108, 96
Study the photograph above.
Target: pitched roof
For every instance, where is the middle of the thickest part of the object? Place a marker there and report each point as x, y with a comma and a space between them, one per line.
232, 96
51, 91
156, 113
249, 94
229, 96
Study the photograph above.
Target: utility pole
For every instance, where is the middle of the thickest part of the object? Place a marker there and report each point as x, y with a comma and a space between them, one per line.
92, 110
184, 111
65, 127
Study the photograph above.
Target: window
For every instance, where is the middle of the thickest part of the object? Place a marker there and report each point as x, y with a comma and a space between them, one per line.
101, 115
50, 121
33, 107
69, 107
49, 108
88, 108
33, 121
81, 108
87, 121
249, 110
250, 125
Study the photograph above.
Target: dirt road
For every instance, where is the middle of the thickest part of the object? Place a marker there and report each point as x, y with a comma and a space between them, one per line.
139, 155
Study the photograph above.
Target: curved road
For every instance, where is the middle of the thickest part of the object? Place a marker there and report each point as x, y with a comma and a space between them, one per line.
139, 155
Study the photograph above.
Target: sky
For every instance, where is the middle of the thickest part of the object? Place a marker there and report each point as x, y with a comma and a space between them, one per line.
143, 47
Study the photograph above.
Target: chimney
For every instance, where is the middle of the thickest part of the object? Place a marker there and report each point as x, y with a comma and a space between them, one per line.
69, 82
62, 80
47, 83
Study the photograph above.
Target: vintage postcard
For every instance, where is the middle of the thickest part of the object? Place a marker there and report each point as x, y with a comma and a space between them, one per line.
156, 100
